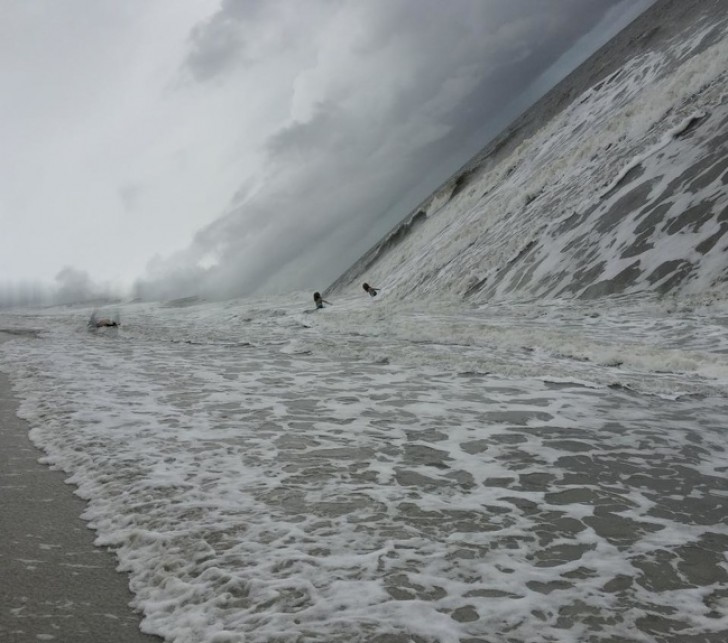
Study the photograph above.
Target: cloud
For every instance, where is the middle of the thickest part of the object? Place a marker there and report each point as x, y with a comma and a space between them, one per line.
382, 93
73, 285
252, 145
216, 45
241, 33
130, 193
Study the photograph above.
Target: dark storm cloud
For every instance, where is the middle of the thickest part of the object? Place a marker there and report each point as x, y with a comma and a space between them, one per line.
418, 79
225, 39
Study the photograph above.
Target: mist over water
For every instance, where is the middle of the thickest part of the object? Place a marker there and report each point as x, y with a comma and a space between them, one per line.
521, 438
71, 286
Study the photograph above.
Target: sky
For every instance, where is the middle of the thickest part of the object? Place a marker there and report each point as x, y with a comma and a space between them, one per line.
229, 147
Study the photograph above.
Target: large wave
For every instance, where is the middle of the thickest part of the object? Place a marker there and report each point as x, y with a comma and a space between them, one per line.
615, 182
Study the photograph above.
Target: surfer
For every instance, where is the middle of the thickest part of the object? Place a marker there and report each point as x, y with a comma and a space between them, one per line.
372, 291
319, 300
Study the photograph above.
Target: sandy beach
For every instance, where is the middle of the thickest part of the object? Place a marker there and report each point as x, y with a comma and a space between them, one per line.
55, 585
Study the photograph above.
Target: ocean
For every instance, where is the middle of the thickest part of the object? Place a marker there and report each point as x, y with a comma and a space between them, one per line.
521, 438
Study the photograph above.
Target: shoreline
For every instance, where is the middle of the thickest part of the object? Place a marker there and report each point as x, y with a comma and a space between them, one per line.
56, 584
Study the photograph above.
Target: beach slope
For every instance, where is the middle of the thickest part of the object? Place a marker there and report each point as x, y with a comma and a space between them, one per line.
55, 585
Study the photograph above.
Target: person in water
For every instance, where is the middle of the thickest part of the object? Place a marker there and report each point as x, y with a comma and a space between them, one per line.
319, 300
372, 291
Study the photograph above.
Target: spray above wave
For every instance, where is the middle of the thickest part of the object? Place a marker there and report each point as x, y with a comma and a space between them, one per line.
615, 182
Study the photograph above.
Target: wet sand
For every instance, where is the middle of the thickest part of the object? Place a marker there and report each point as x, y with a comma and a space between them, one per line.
55, 584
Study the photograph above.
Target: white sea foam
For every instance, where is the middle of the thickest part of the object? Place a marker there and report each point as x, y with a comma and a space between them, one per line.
389, 470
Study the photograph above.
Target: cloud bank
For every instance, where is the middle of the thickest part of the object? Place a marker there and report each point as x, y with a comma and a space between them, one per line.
253, 145
380, 98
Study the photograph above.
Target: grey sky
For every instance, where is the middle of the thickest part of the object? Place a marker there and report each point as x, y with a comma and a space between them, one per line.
252, 144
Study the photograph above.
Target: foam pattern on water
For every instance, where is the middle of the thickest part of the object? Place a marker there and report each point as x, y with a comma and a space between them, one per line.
380, 472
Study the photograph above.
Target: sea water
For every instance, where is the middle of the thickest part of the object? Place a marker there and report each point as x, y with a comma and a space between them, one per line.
521, 439
394, 471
